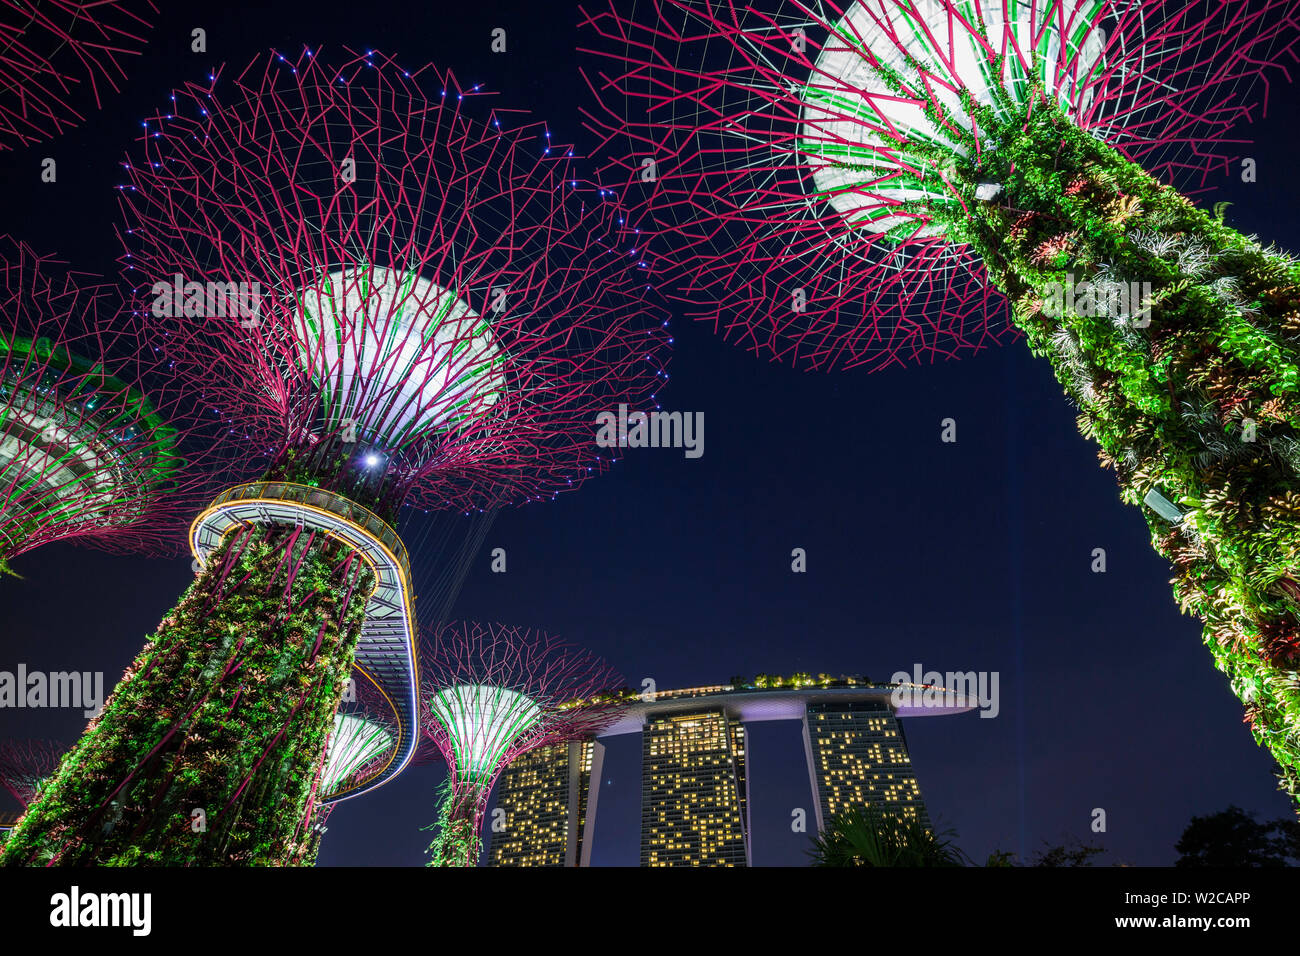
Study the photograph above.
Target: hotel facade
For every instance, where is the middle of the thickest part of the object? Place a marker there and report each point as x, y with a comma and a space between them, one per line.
694, 772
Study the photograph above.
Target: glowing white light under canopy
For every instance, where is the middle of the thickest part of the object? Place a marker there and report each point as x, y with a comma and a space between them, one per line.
482, 722
354, 743
68, 469
396, 355
862, 170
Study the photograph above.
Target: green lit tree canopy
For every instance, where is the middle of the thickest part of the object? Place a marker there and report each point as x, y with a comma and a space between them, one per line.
490, 693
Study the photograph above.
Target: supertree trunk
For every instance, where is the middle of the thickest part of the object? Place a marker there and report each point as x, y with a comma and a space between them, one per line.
843, 180
208, 751
307, 846
1178, 338
459, 840
491, 693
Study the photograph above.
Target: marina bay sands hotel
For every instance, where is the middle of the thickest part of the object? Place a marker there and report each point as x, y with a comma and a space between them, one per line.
694, 786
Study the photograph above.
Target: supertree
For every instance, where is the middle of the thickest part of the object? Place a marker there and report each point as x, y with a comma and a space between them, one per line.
362, 745
24, 766
430, 308
85, 453
490, 693
846, 184
25, 763
59, 56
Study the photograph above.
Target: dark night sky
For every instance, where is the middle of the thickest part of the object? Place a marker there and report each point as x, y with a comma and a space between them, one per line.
966, 556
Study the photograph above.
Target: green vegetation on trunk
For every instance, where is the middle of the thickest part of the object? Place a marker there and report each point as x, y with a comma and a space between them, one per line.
208, 751
1191, 386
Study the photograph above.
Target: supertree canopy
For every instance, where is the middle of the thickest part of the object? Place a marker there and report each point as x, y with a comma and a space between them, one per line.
490, 693
840, 180
85, 454
362, 746
355, 744
442, 305
390, 292
24, 766
58, 58
25, 763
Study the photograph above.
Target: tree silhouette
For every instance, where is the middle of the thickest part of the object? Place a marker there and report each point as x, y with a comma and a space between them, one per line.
869, 836
1233, 837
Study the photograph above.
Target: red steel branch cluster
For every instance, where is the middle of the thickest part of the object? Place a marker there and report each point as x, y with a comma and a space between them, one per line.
701, 108
293, 169
94, 428
25, 763
59, 57
575, 694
